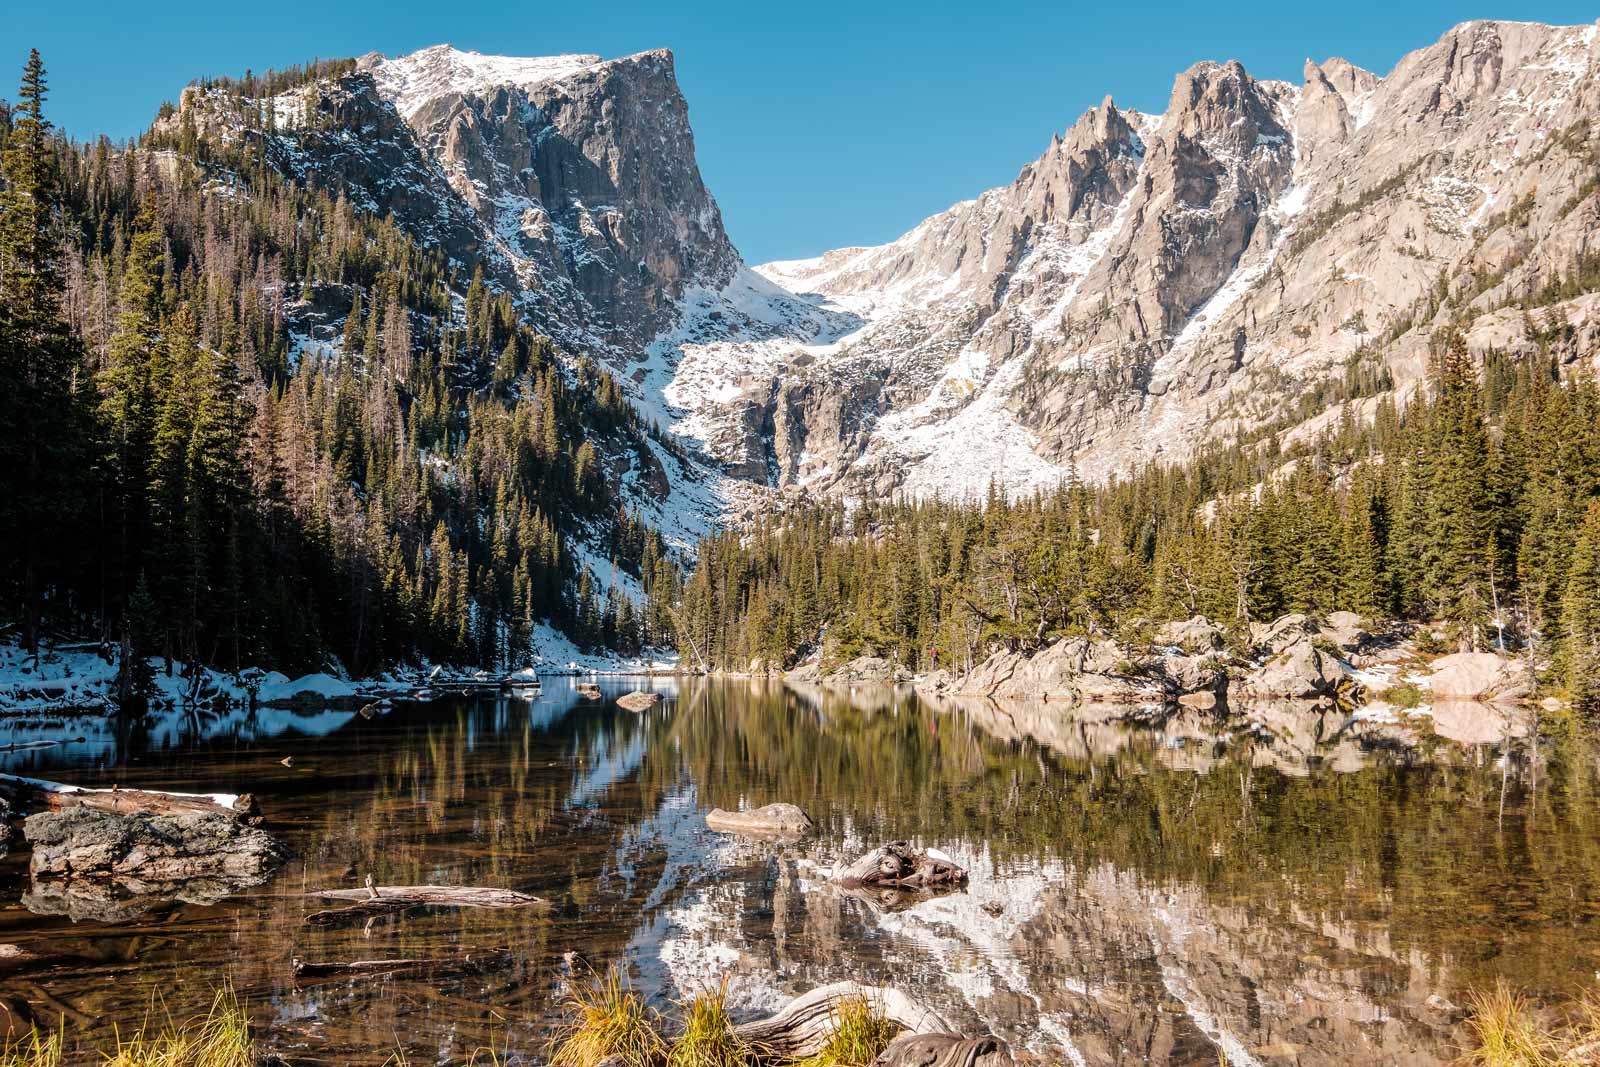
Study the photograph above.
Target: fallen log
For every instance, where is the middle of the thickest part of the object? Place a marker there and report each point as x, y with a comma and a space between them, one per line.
448, 896
36, 794
772, 819
802, 1027
899, 866
470, 962
638, 700
945, 1050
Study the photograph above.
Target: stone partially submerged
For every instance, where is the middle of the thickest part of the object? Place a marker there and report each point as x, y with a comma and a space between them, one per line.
83, 842
638, 700
771, 820
898, 865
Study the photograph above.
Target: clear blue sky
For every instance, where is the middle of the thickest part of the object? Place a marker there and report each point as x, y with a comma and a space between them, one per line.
818, 125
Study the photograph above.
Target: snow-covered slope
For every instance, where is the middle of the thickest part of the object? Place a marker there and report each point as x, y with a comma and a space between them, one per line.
1153, 282
1149, 283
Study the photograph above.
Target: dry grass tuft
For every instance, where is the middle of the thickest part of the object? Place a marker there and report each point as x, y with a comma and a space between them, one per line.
860, 1033
708, 1039
609, 1019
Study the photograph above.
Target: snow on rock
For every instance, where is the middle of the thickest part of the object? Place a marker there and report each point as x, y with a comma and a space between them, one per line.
412, 81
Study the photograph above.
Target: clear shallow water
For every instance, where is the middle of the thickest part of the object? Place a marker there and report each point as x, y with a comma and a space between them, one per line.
1290, 885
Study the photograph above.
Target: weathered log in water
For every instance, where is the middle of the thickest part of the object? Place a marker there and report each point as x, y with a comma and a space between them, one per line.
945, 1050
898, 865
36, 794
773, 819
470, 962
802, 1027
451, 896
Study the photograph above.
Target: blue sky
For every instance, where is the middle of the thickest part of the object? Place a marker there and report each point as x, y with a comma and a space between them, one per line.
818, 125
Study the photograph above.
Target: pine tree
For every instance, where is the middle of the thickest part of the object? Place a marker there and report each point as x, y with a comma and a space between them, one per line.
41, 406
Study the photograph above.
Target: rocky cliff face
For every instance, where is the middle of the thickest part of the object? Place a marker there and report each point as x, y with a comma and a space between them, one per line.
1149, 283
1152, 282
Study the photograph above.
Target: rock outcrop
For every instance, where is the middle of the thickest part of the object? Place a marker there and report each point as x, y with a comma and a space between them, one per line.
1480, 676
175, 850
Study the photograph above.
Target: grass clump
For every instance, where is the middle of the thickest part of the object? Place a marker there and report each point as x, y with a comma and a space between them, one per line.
860, 1034
36, 1050
609, 1019
220, 1038
708, 1039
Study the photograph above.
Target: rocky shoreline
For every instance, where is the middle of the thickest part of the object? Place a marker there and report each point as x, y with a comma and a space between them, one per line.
1342, 660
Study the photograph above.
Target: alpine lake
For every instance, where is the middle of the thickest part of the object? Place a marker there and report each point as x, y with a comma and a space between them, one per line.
1282, 885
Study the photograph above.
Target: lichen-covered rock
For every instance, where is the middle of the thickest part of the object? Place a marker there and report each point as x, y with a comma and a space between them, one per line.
81, 842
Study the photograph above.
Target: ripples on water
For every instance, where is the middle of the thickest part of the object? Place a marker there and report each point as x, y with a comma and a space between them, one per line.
1290, 885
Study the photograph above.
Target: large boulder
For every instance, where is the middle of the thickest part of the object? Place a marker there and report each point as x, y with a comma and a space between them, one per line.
1481, 676
1344, 629
1300, 671
1270, 638
83, 842
1196, 636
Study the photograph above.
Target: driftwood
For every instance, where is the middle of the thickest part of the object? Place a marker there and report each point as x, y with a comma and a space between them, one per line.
36, 794
468, 963
802, 1027
774, 819
899, 866
638, 700
446, 896
944, 1050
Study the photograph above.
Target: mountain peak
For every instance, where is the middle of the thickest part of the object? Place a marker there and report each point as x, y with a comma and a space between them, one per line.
413, 80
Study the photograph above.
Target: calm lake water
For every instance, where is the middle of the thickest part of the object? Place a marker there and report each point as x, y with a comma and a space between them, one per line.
1293, 886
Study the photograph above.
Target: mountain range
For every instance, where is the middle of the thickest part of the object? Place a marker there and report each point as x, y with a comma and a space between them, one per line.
1262, 257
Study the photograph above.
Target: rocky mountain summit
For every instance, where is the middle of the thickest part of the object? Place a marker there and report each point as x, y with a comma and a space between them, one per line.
1262, 256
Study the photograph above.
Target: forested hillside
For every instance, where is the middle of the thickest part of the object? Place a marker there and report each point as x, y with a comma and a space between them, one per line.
1478, 507
176, 476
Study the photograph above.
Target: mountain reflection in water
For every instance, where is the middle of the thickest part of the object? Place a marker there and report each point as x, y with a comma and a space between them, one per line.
1296, 886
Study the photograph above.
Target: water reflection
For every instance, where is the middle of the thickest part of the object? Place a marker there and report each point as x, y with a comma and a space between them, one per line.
1289, 883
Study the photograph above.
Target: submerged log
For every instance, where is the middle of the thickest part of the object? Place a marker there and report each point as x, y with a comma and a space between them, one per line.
802, 1027
638, 700
468, 963
773, 819
36, 794
448, 896
899, 866
365, 911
